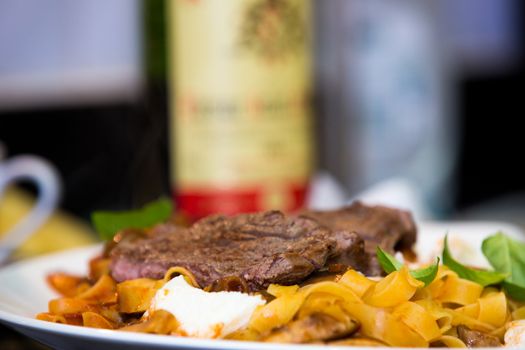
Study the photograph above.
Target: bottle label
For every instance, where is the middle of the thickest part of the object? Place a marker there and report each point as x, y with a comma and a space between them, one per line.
240, 118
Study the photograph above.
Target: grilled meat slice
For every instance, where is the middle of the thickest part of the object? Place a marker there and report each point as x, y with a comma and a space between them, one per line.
260, 248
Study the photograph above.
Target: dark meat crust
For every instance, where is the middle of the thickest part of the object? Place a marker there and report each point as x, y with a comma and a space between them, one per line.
391, 229
261, 248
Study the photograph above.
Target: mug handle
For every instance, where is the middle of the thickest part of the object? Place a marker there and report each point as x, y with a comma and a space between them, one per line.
46, 179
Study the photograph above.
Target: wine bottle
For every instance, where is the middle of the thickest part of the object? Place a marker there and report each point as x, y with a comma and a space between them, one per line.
240, 119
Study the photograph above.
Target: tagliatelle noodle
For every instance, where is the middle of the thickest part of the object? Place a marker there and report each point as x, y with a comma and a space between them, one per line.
397, 310
332, 288
49, 317
459, 291
281, 310
179, 270
323, 303
278, 291
104, 291
434, 290
394, 289
70, 306
451, 342
434, 309
160, 322
95, 320
519, 313
417, 318
379, 324
375, 322
447, 287
489, 309
460, 319
471, 310
67, 285
493, 309
276, 313
136, 295
500, 331
358, 283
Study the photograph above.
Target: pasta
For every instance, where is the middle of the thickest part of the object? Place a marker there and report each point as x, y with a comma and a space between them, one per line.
397, 310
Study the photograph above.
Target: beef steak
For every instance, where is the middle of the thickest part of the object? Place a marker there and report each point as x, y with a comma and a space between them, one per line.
261, 248
391, 229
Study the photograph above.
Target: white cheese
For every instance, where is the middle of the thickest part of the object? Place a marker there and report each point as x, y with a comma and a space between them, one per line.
202, 314
515, 334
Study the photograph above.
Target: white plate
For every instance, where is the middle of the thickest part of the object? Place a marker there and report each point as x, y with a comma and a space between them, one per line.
24, 293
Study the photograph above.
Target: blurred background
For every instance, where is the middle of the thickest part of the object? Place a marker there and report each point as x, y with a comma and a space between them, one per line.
425, 91
411, 102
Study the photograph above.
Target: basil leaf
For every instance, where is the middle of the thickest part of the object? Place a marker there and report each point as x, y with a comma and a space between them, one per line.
426, 274
507, 256
391, 264
515, 291
108, 223
483, 277
387, 261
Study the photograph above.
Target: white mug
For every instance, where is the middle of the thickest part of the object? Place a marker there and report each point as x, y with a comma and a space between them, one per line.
46, 179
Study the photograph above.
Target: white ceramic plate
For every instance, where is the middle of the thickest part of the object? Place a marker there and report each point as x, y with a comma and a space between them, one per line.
24, 293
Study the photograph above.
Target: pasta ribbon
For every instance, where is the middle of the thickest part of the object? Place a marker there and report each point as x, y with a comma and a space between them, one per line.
278, 291
276, 313
135, 295
397, 310
178, 270
281, 310
67, 285
394, 289
160, 322
104, 291
379, 324
332, 288
459, 318
70, 306
442, 318
471, 310
49, 317
358, 283
435, 289
490, 309
519, 313
459, 291
493, 309
323, 303
98, 267
451, 342
417, 318
95, 320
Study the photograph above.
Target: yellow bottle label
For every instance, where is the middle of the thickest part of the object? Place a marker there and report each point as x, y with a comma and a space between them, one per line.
240, 83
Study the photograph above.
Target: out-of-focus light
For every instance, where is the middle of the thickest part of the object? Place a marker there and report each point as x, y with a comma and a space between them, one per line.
483, 35
55, 52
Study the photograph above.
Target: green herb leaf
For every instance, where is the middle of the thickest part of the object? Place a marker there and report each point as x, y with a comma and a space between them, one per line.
507, 256
426, 274
514, 290
391, 264
108, 223
387, 261
483, 277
